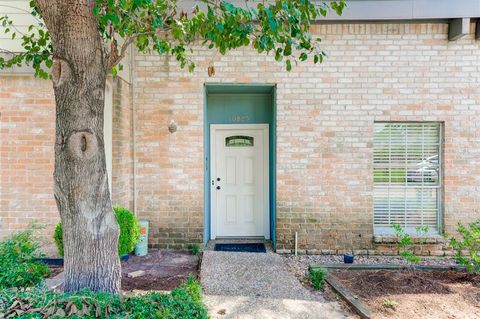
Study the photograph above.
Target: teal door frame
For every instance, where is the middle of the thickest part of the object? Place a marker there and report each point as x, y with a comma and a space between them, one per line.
238, 103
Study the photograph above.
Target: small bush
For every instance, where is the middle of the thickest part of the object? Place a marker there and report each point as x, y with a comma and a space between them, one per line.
467, 247
58, 237
405, 243
184, 302
317, 277
18, 265
129, 232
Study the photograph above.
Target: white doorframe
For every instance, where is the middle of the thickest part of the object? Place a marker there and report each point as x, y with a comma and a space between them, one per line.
214, 128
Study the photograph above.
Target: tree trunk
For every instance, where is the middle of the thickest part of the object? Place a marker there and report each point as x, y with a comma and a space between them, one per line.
90, 230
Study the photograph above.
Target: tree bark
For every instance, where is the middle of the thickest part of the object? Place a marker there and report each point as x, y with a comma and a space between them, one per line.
90, 230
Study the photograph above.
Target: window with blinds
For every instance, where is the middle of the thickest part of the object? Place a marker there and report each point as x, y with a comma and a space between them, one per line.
407, 176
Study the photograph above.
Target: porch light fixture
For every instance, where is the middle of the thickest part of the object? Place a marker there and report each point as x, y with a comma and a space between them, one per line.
172, 127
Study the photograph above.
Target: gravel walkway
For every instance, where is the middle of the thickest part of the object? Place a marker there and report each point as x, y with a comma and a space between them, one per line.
256, 285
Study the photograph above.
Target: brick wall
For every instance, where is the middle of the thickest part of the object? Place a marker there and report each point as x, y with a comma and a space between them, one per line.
325, 116
27, 134
122, 145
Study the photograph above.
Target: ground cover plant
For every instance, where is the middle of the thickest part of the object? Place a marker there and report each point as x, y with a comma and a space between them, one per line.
18, 261
183, 302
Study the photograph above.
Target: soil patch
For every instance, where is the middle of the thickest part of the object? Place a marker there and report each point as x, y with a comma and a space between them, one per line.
164, 270
55, 270
415, 294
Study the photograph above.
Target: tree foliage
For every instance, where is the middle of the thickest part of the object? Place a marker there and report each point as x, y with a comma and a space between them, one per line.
280, 27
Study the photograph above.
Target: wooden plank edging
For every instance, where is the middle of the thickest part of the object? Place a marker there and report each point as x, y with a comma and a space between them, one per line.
355, 302
387, 267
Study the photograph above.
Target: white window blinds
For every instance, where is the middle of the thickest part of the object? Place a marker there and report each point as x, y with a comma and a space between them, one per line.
406, 175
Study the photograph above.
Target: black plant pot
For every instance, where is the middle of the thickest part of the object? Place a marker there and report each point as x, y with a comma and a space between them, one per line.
51, 261
348, 259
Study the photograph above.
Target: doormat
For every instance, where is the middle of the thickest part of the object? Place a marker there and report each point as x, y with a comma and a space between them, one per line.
244, 248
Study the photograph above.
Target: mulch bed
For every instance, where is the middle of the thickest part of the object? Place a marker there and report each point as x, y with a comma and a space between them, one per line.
164, 270
416, 294
55, 270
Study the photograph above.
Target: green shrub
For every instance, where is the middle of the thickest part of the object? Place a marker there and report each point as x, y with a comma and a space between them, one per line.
405, 243
467, 248
184, 302
18, 265
129, 232
317, 277
58, 237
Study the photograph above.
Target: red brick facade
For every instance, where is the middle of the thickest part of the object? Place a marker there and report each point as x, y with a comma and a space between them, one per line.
325, 118
122, 145
27, 133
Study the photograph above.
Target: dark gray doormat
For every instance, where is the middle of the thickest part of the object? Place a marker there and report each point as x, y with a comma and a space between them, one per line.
245, 248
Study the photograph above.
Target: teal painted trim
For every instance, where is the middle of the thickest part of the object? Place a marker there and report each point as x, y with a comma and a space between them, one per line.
273, 170
206, 172
232, 88
240, 104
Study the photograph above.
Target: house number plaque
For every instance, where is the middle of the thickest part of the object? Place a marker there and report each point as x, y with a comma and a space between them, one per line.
240, 118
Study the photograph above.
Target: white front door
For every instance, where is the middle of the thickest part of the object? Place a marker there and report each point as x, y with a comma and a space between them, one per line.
239, 180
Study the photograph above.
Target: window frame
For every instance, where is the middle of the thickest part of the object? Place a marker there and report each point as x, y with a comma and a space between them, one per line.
388, 230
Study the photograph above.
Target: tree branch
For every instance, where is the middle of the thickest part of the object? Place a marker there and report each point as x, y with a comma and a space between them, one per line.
116, 56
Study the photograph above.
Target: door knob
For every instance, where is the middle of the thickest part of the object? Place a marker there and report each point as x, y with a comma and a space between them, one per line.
218, 179
218, 187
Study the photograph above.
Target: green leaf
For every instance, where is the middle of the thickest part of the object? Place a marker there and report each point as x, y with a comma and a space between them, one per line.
289, 65
280, 26
278, 55
288, 50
